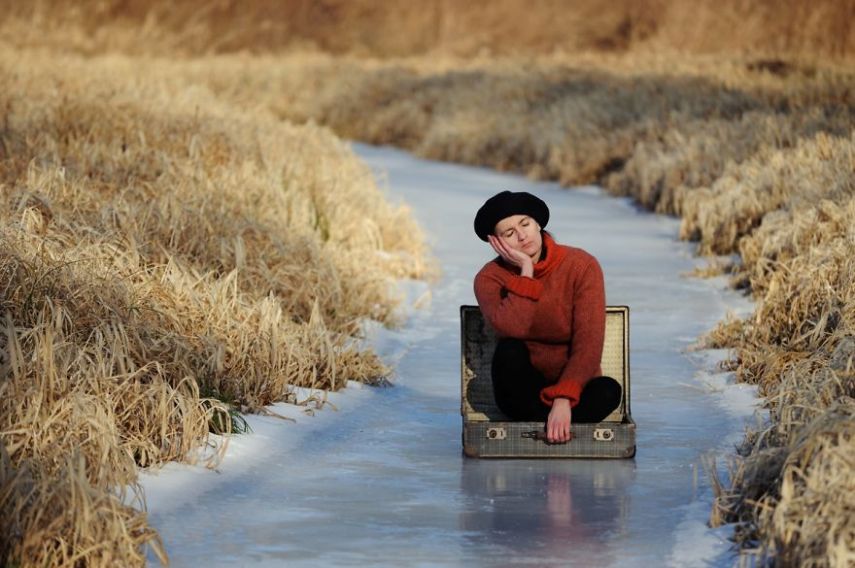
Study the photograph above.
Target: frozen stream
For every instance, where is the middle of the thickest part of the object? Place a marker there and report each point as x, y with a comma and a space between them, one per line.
382, 480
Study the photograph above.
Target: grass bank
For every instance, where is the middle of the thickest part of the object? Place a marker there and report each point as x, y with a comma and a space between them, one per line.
167, 258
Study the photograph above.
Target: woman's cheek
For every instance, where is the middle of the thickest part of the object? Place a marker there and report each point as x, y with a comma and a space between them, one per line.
513, 245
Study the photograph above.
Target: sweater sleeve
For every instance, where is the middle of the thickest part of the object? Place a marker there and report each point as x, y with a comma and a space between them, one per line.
586, 342
508, 303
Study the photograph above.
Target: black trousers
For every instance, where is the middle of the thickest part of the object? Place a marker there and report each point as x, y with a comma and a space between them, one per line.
517, 385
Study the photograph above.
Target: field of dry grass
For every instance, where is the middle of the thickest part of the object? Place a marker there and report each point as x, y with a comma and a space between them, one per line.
773, 28
143, 197
166, 258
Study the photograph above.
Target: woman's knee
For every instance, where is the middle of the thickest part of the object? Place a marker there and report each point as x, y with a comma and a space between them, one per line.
607, 390
510, 351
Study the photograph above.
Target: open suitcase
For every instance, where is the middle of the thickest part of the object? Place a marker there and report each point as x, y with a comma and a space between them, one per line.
487, 433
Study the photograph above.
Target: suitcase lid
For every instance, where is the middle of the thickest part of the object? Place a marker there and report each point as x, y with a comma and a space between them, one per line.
478, 341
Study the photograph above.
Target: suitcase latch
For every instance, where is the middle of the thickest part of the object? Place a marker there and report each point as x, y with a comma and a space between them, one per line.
496, 433
604, 434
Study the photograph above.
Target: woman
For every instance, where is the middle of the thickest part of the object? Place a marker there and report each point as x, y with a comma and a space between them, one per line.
546, 302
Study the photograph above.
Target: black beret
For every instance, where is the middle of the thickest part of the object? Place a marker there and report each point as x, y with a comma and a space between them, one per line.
509, 203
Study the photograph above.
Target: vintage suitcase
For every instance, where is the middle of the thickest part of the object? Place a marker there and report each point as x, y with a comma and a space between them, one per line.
487, 433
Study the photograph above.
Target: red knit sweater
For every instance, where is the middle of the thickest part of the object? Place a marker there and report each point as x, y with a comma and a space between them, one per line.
560, 314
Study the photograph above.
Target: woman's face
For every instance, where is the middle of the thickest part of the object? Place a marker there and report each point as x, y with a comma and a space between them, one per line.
522, 233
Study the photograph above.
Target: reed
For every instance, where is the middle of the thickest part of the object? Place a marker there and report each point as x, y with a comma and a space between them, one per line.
384, 28
158, 242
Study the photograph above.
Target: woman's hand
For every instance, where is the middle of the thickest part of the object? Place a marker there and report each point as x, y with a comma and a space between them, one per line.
511, 256
558, 423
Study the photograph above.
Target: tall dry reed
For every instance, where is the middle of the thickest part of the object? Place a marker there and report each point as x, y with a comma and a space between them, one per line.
166, 258
389, 27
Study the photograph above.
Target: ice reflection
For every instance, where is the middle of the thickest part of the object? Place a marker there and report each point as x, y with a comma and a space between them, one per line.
546, 510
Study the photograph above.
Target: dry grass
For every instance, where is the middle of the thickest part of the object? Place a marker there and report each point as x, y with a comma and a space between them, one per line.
647, 126
121, 175
793, 494
66, 520
163, 251
389, 27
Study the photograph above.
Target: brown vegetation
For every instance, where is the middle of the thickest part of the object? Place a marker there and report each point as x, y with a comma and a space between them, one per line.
165, 259
126, 233
394, 28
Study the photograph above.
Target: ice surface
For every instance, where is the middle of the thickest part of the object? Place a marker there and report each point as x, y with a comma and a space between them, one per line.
382, 480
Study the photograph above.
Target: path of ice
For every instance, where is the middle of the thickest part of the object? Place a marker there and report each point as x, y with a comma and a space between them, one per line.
382, 481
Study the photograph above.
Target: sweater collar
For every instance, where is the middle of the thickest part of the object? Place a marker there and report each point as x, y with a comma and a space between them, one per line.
553, 254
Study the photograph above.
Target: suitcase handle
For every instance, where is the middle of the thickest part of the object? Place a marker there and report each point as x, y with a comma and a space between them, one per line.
541, 435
